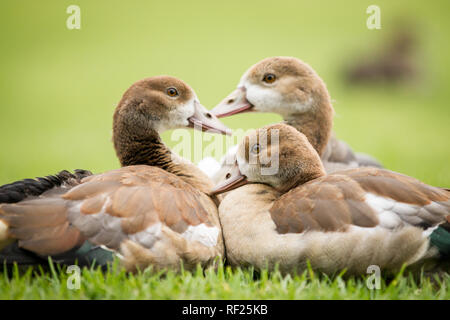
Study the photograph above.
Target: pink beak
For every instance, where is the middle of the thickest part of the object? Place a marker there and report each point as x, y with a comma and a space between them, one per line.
206, 121
235, 180
236, 102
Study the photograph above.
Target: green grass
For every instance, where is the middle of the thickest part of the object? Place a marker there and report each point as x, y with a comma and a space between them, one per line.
222, 283
58, 90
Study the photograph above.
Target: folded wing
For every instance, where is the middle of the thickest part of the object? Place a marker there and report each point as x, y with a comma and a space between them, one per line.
128, 203
364, 197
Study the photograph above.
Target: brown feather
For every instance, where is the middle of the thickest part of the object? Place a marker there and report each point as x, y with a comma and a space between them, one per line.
141, 196
396, 186
93, 205
60, 239
334, 202
34, 213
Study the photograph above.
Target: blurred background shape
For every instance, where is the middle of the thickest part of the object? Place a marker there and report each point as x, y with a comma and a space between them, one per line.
59, 87
394, 61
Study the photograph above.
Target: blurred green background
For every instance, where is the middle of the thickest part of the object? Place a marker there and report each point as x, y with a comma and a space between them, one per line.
59, 87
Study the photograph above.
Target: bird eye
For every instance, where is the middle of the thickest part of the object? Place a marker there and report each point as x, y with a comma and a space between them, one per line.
172, 92
269, 78
256, 148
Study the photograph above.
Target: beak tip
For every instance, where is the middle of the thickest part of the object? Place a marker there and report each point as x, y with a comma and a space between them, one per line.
230, 184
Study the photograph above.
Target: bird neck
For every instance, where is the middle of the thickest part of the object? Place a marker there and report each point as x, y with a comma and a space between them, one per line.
148, 149
302, 179
138, 149
316, 124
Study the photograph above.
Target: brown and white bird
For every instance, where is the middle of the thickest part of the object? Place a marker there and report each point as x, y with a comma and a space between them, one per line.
291, 88
153, 211
346, 220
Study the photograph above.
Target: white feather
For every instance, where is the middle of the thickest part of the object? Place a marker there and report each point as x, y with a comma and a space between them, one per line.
269, 99
217, 171
389, 220
405, 209
203, 234
3, 231
379, 203
393, 214
229, 158
148, 237
209, 166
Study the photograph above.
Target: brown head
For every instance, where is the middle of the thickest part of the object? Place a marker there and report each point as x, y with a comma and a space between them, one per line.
153, 105
276, 155
283, 85
289, 87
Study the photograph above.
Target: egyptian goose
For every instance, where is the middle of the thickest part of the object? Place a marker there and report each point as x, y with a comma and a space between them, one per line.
153, 211
350, 219
291, 88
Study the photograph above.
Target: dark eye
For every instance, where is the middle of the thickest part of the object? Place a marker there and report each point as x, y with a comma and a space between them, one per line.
269, 78
256, 148
172, 92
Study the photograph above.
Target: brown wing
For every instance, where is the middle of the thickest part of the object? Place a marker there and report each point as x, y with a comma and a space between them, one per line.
110, 207
412, 201
106, 209
397, 186
329, 203
337, 201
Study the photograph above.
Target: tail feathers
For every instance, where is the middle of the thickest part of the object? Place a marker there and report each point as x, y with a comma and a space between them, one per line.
40, 225
86, 255
19, 190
